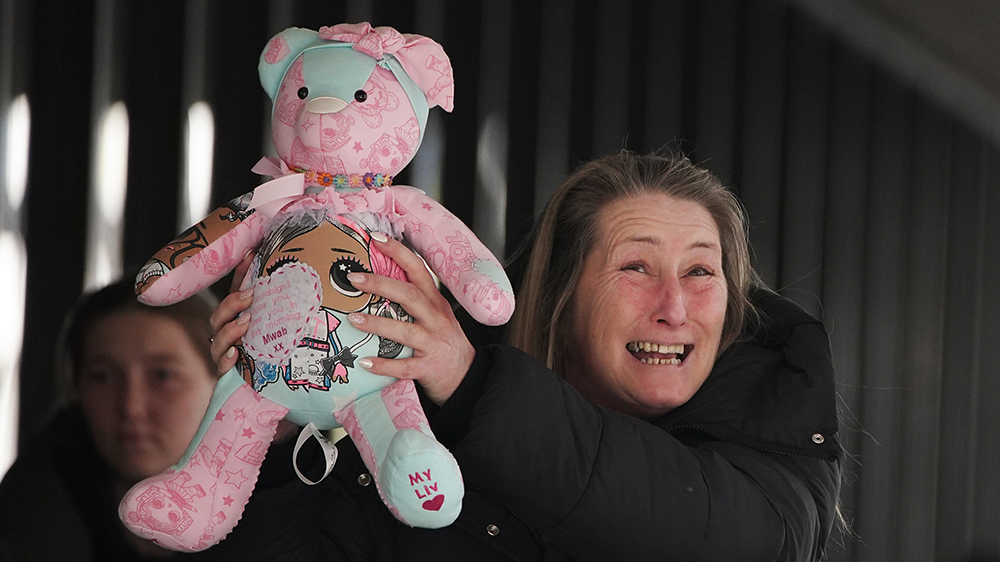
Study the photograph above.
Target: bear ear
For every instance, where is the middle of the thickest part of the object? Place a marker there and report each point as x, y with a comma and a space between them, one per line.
279, 54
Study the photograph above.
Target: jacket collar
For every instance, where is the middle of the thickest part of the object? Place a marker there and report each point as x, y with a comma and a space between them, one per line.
773, 391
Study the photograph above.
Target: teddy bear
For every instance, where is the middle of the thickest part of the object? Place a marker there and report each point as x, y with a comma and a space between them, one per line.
350, 106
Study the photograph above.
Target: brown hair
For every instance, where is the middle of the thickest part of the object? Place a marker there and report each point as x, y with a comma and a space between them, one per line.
566, 232
192, 314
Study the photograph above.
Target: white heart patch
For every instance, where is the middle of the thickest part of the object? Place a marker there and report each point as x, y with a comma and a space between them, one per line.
283, 302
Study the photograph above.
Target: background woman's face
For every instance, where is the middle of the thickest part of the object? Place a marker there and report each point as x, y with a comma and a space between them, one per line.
144, 388
649, 308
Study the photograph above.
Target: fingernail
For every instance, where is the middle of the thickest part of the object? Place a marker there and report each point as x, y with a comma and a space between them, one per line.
378, 236
230, 352
365, 363
246, 293
243, 319
356, 277
356, 319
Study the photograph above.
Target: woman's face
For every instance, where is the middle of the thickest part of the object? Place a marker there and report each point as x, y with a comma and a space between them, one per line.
649, 307
144, 388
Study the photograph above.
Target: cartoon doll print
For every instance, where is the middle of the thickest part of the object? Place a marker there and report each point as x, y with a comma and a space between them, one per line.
190, 243
333, 246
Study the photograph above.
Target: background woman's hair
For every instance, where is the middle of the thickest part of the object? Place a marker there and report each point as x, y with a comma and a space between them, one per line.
191, 314
567, 229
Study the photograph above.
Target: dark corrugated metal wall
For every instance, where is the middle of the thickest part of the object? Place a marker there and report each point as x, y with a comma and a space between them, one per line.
870, 205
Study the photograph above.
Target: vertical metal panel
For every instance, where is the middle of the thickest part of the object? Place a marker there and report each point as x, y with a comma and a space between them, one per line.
844, 266
153, 97
719, 46
961, 344
985, 528
805, 166
59, 90
492, 140
554, 98
241, 107
13, 166
890, 176
523, 116
763, 133
582, 78
921, 323
663, 69
462, 43
611, 62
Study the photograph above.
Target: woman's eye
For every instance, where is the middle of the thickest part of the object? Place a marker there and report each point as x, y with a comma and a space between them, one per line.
640, 267
162, 375
338, 276
700, 272
95, 377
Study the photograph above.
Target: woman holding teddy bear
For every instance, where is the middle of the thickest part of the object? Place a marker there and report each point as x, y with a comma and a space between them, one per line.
656, 399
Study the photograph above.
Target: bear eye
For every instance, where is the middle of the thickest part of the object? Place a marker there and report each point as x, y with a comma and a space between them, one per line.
303, 92
361, 95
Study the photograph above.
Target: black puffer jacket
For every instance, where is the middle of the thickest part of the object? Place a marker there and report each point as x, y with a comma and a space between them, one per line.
748, 469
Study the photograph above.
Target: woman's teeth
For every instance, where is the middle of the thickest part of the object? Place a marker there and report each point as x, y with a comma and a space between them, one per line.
677, 350
655, 347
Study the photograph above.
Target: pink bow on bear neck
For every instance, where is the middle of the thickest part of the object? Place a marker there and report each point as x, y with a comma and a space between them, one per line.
423, 59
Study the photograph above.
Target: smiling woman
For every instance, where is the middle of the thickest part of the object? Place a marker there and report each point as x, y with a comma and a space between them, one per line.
646, 318
689, 410
653, 415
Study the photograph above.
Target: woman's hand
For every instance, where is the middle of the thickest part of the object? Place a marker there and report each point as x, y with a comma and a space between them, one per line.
227, 328
441, 353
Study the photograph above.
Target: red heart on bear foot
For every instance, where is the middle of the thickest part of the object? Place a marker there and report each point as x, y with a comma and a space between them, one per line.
434, 503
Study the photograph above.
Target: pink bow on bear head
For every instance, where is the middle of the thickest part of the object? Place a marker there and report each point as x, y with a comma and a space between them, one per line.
422, 58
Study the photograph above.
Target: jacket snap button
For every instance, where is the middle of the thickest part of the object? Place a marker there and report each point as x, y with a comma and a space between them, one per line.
365, 479
493, 530
818, 438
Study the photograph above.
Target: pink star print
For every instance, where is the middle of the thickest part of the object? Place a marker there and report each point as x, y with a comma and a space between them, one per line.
227, 500
219, 416
248, 433
357, 146
235, 478
240, 413
427, 206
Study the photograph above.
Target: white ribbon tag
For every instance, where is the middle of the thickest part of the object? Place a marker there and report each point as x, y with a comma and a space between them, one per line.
329, 451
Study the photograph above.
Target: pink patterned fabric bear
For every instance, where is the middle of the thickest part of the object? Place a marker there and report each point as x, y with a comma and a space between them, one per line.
350, 109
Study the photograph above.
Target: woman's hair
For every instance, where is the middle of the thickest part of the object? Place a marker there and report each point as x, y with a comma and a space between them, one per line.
567, 230
191, 314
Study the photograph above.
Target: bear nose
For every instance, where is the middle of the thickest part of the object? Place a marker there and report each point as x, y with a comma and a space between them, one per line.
325, 105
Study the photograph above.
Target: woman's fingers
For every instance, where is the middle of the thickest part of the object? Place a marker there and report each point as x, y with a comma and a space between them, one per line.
227, 360
439, 374
241, 271
441, 352
228, 328
411, 263
411, 335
